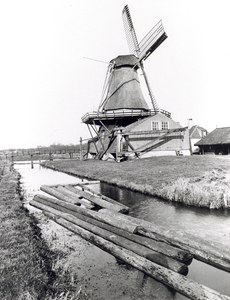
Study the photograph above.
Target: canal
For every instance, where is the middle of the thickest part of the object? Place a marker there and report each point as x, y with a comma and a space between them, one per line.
110, 276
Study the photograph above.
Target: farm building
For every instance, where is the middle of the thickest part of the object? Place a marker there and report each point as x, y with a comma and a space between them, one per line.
217, 141
196, 133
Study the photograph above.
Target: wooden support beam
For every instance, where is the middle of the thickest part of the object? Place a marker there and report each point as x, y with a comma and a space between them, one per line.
151, 132
131, 146
104, 126
92, 138
98, 136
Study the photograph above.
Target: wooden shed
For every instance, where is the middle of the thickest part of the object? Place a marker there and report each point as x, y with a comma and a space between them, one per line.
217, 141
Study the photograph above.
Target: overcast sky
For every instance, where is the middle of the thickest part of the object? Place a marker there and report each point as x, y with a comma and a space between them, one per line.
47, 85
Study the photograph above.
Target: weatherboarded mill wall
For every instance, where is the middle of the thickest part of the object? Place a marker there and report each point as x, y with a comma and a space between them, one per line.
158, 135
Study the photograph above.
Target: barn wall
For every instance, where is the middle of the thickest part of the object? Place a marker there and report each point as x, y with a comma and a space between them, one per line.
174, 141
160, 140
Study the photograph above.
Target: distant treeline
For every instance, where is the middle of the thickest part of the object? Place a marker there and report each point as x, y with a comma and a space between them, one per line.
55, 146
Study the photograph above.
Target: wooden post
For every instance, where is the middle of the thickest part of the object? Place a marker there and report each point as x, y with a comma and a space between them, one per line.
32, 163
118, 148
81, 154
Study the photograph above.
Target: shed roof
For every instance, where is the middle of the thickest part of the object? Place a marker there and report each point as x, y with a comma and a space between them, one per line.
195, 132
217, 136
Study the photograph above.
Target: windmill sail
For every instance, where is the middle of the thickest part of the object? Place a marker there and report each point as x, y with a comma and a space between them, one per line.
130, 32
152, 40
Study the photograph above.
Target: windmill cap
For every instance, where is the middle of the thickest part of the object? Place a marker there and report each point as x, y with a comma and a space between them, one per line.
125, 60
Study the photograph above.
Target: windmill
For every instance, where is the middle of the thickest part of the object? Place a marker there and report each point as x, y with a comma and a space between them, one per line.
142, 50
122, 101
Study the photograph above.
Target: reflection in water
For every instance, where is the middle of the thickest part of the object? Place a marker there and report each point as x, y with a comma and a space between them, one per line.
208, 224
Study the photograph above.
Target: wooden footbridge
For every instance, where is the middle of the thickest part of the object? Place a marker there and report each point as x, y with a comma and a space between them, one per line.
155, 251
13, 155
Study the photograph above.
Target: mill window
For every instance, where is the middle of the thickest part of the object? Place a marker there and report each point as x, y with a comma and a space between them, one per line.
165, 125
155, 125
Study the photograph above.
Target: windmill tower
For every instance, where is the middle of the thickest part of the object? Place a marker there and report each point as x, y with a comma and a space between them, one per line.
122, 100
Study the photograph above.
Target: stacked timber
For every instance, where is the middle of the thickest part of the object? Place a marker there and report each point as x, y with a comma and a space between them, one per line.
103, 222
74, 195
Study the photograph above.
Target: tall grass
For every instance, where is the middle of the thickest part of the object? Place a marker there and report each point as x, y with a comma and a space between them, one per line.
211, 190
29, 269
24, 270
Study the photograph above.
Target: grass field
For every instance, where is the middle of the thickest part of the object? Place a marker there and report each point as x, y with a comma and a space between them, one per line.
192, 180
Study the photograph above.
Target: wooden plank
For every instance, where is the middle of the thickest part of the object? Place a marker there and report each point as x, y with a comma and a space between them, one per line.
64, 206
99, 201
154, 256
178, 282
203, 251
63, 190
100, 195
68, 198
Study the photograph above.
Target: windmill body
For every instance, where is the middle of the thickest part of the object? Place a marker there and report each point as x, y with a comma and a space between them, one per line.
124, 91
123, 105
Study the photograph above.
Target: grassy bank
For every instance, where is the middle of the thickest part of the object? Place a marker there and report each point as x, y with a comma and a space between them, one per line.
194, 180
29, 270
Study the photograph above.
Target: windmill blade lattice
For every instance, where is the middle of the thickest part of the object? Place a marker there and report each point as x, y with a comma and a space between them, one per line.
152, 40
130, 32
